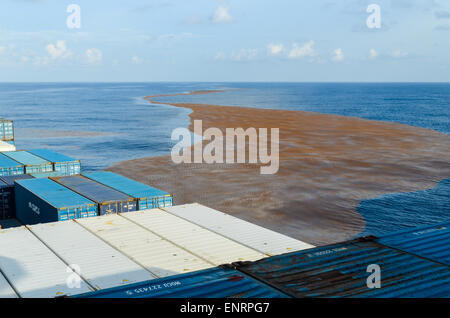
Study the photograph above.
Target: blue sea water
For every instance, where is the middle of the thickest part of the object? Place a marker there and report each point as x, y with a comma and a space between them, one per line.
123, 126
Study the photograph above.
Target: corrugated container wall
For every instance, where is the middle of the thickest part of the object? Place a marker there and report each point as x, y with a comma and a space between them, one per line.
43, 200
7, 197
209, 246
100, 265
148, 197
210, 283
6, 129
432, 242
157, 255
9, 167
32, 163
47, 174
108, 200
343, 270
249, 234
62, 164
32, 269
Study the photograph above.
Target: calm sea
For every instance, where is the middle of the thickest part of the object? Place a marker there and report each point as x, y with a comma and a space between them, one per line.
110, 122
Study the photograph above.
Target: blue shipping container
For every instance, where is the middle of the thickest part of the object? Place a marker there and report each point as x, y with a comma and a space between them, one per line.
9, 167
6, 129
432, 242
108, 199
7, 198
43, 200
32, 163
147, 196
342, 270
63, 164
210, 283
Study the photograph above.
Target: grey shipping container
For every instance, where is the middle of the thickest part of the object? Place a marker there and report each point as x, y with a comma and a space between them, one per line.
6, 129
62, 164
10, 167
43, 200
108, 199
148, 197
32, 163
344, 270
7, 198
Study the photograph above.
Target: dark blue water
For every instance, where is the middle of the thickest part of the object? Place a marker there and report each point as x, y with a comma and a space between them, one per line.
110, 122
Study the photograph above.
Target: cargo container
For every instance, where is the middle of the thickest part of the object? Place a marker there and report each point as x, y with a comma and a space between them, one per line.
6, 291
32, 163
63, 164
6, 146
101, 265
8, 223
207, 245
209, 283
108, 200
6, 129
7, 197
43, 200
47, 174
32, 269
149, 250
148, 197
344, 270
9, 167
432, 242
249, 234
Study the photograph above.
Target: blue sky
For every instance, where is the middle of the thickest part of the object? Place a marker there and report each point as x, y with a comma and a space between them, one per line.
225, 40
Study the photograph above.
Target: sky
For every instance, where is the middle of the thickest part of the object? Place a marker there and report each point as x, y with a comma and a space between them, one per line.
225, 40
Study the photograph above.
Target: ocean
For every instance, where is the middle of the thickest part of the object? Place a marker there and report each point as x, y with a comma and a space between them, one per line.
106, 123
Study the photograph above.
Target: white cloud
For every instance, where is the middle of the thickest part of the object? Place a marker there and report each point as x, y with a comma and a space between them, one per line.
238, 55
338, 55
244, 55
2, 50
222, 15
275, 49
94, 56
373, 54
307, 49
399, 54
58, 50
220, 56
136, 60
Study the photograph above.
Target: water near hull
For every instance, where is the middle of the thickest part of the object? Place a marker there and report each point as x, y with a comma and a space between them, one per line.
398, 211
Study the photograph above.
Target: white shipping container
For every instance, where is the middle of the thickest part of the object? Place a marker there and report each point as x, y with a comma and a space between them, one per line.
100, 265
34, 270
157, 255
4, 146
6, 290
256, 237
210, 246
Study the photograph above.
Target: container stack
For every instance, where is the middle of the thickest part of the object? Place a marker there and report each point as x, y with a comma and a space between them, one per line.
39, 163
7, 131
147, 196
108, 200
43, 200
